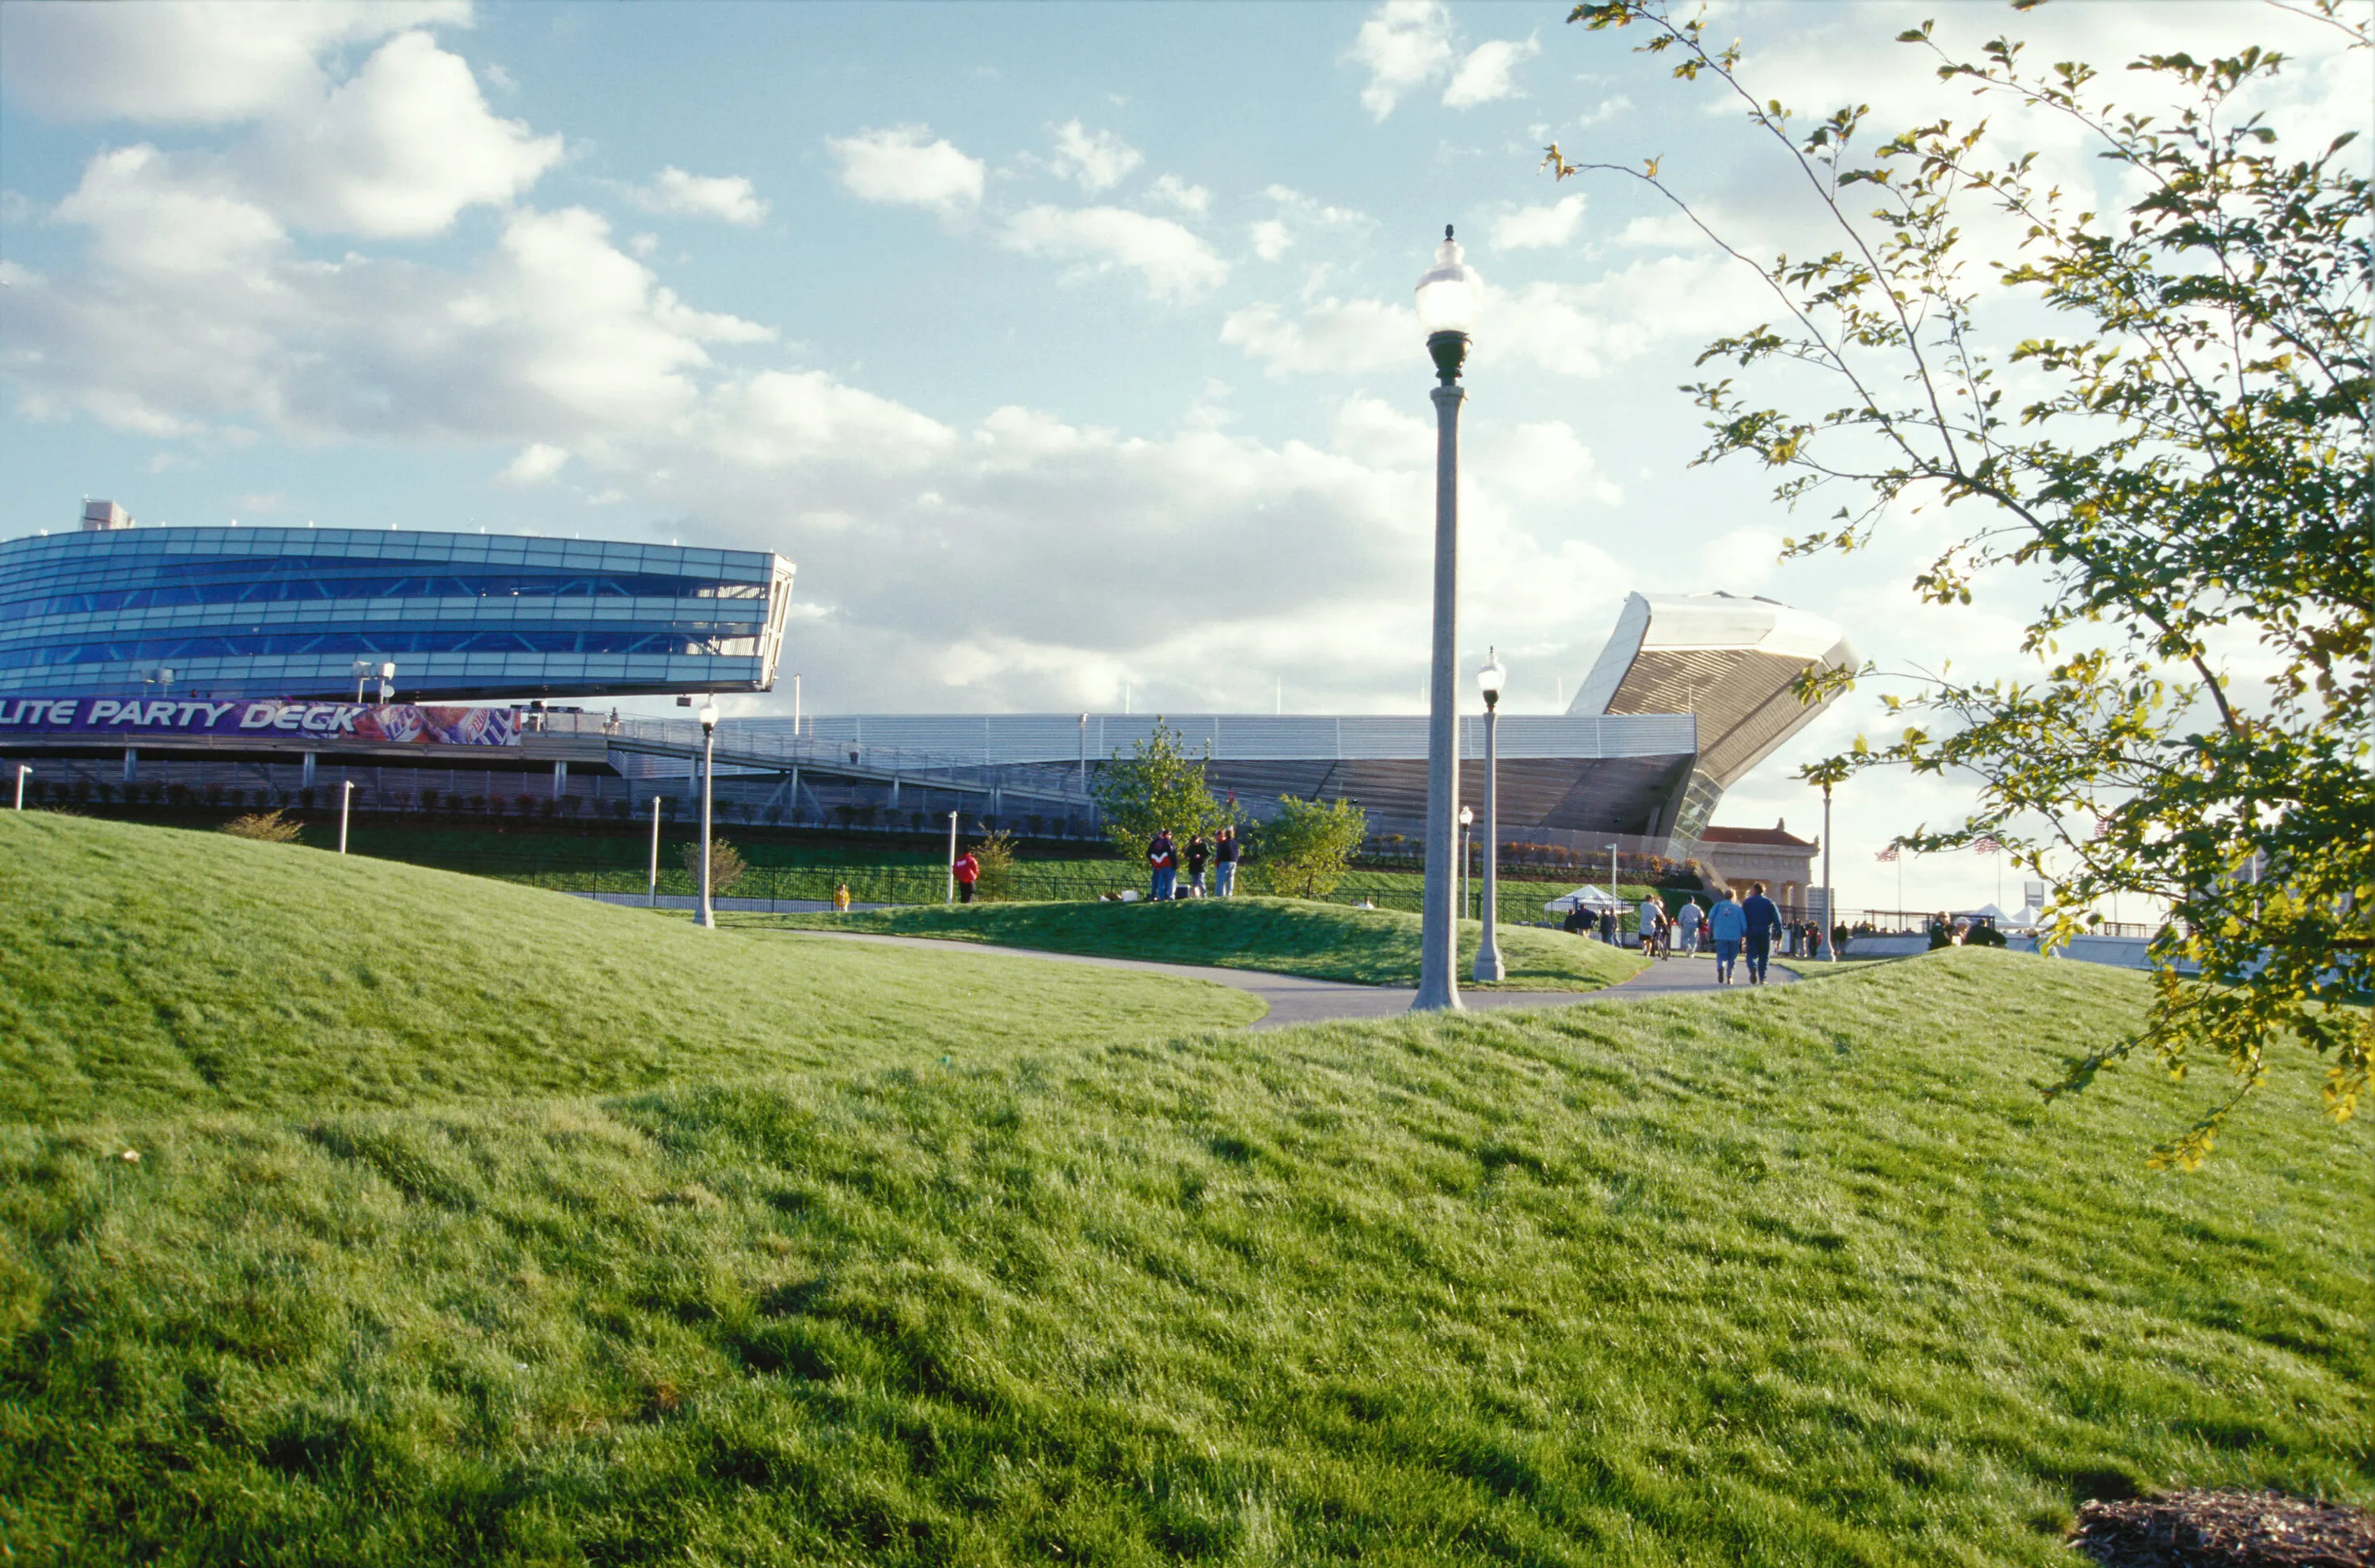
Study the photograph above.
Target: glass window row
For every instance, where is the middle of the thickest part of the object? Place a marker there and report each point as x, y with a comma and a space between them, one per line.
395, 641
249, 588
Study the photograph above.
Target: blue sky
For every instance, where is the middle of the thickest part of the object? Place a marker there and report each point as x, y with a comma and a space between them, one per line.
1066, 347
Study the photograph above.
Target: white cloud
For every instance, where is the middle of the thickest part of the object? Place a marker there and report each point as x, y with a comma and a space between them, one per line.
1574, 330
1403, 43
1543, 461
196, 63
1098, 160
903, 166
398, 150
730, 198
1372, 431
537, 461
1485, 74
1539, 228
1173, 192
1175, 264
155, 215
1333, 336
1298, 215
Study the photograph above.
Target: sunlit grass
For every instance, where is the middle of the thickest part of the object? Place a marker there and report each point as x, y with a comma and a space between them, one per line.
1324, 941
1806, 1275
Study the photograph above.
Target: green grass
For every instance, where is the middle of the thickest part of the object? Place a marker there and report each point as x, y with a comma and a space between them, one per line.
1798, 1276
1323, 941
146, 971
803, 867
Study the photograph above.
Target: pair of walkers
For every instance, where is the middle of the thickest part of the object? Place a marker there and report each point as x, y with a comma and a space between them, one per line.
1745, 926
1163, 855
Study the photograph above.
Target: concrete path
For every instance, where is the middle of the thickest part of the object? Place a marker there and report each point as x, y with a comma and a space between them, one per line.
1295, 999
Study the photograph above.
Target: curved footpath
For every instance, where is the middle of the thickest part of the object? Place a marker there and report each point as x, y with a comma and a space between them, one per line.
1295, 999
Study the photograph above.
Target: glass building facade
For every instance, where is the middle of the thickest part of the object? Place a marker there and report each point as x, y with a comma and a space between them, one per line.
287, 612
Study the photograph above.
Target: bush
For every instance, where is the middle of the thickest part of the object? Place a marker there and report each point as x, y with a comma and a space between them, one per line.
727, 866
996, 854
1302, 850
268, 827
178, 794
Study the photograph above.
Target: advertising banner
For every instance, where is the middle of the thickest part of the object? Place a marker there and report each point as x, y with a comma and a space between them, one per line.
366, 723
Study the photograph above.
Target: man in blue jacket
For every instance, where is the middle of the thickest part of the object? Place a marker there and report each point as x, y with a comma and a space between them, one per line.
1726, 922
1764, 924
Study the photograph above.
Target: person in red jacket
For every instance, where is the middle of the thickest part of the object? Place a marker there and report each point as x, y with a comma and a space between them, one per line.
968, 870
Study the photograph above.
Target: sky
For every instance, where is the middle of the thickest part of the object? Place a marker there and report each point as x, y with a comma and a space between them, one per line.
1067, 349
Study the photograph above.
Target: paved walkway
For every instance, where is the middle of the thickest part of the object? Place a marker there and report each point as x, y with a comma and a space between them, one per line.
1295, 999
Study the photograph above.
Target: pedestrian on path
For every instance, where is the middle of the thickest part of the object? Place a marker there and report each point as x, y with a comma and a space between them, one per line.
1651, 913
968, 869
1763, 924
1726, 924
1608, 927
1691, 918
1163, 859
1224, 864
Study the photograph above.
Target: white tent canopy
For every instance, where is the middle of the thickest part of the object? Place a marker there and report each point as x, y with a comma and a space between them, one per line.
1986, 912
1584, 896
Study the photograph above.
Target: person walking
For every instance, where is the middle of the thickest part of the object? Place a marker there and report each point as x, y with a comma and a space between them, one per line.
1649, 917
1726, 924
1163, 859
1198, 851
1691, 918
1224, 864
1764, 924
968, 869
1608, 927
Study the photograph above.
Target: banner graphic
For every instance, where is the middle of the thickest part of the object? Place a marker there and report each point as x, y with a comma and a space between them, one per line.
366, 723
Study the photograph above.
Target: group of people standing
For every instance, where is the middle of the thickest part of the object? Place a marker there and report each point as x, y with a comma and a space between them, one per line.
1733, 928
1163, 854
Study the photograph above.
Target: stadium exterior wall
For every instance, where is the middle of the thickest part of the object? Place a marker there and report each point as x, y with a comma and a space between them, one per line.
238, 613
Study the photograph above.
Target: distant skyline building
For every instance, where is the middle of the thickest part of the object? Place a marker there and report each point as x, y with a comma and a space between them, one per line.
238, 612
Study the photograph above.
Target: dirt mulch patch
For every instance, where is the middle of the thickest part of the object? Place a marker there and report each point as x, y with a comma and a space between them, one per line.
2225, 1529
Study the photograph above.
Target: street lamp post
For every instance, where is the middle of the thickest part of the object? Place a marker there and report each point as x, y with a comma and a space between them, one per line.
1467, 820
652, 899
953, 857
1488, 949
21, 771
708, 915
1447, 305
346, 800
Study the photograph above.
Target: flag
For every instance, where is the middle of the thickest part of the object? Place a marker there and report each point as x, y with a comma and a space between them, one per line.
1886, 855
1988, 846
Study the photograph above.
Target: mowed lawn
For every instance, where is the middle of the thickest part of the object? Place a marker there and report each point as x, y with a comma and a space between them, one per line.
149, 970
1323, 941
1798, 1276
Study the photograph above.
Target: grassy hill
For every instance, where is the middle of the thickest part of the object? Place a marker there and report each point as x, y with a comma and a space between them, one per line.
1367, 947
1801, 1275
145, 970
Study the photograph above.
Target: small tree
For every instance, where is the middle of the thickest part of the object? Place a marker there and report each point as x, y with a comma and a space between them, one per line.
1302, 850
266, 827
996, 855
1160, 786
727, 866
2188, 464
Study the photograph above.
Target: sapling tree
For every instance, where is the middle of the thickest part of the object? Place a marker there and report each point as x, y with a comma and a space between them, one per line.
2185, 468
1159, 784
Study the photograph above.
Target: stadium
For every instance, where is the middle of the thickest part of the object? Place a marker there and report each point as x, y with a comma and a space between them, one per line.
271, 662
